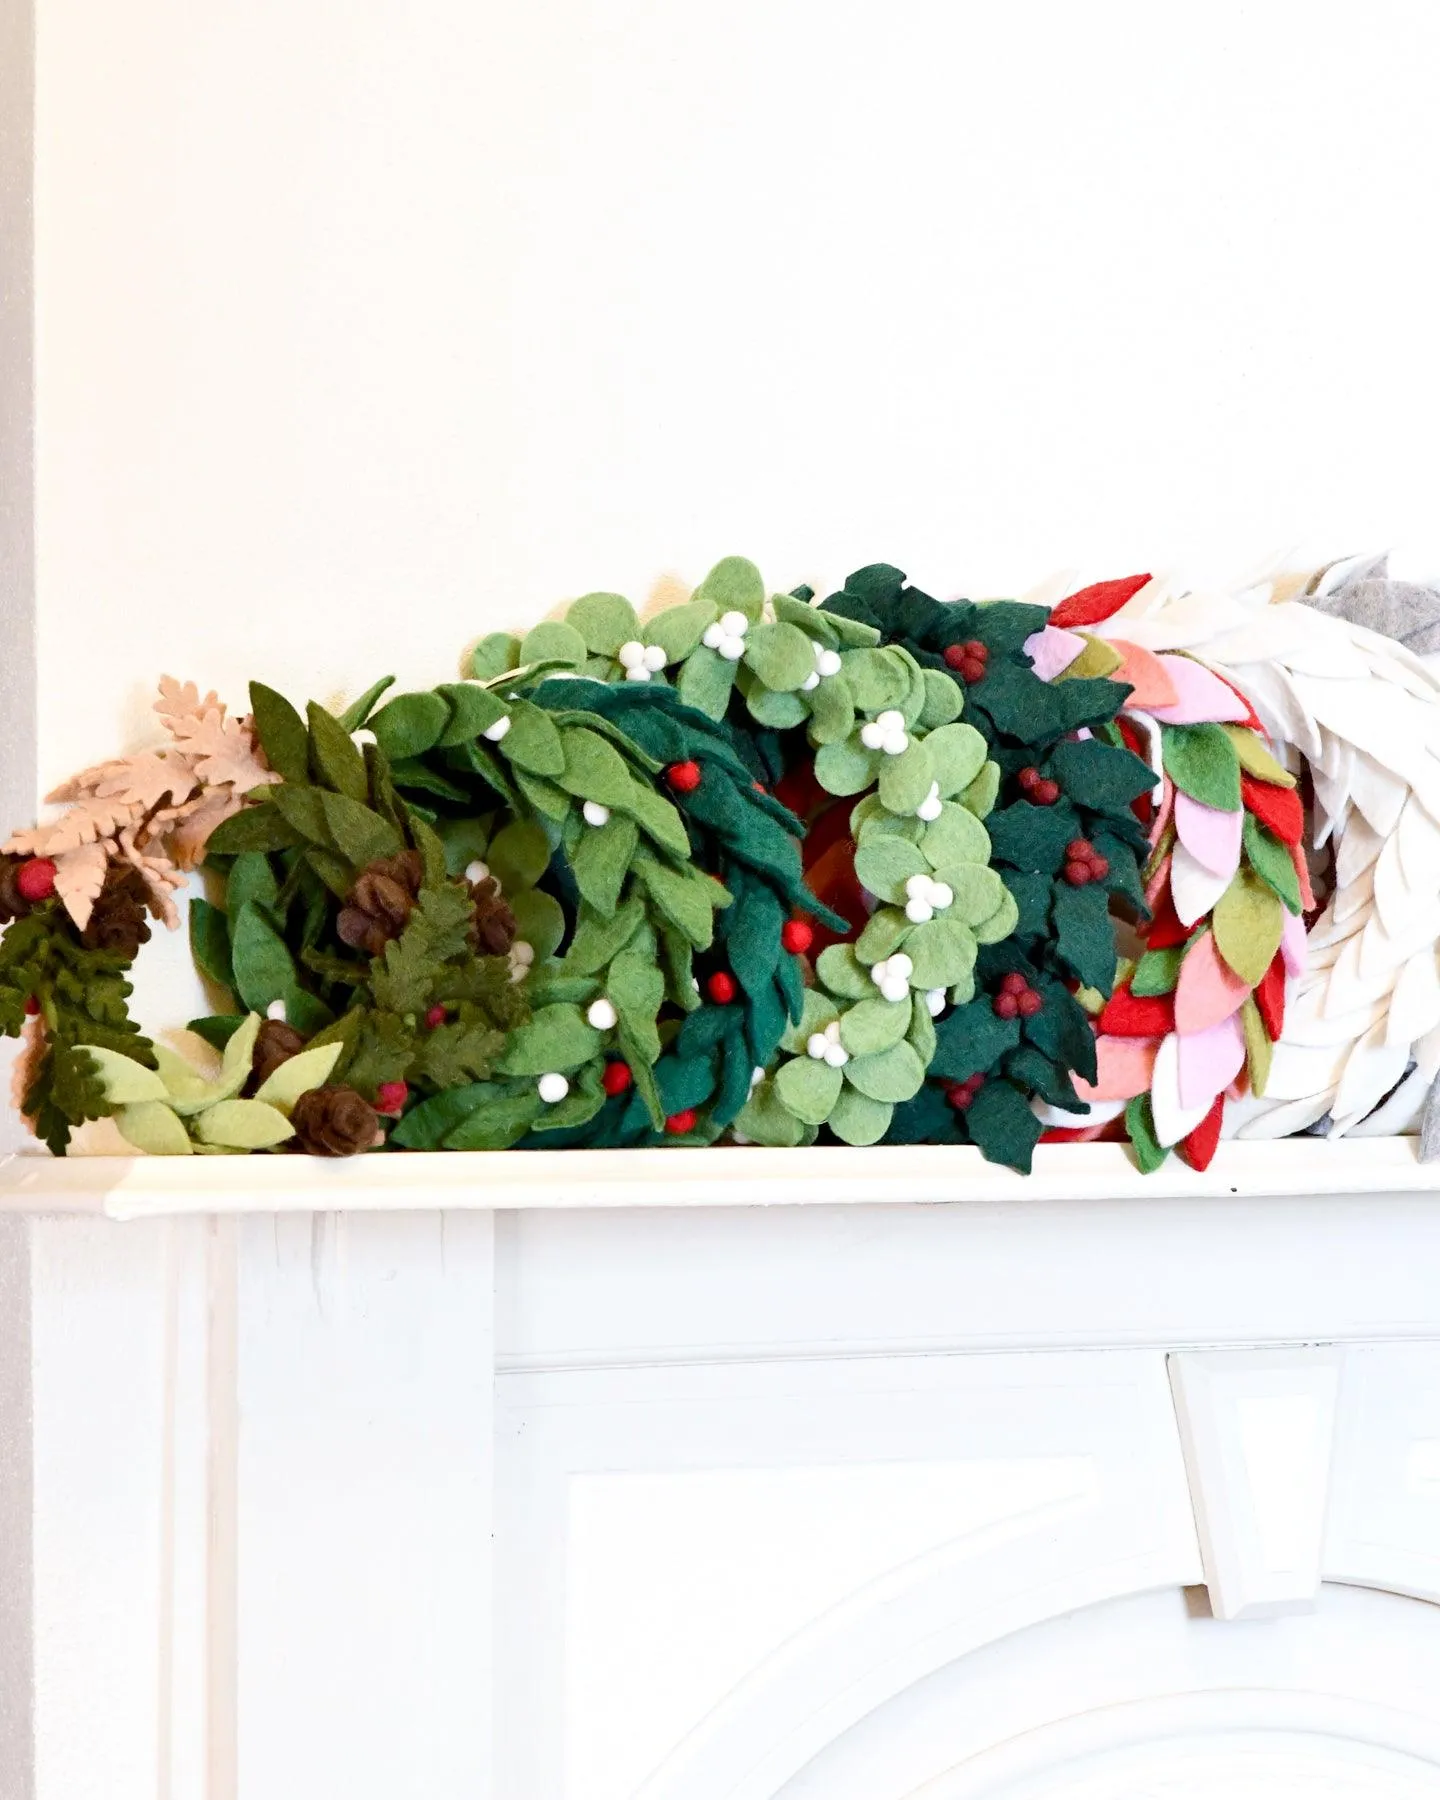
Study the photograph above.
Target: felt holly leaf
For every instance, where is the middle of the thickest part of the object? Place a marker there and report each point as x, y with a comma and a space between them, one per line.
124, 1081
601, 861
309, 1069
905, 780
705, 682
873, 1025
210, 942
884, 865
1095, 775
958, 753
1271, 861
846, 768
1157, 972
885, 931
553, 641
809, 1088
1140, 1128
1247, 923
495, 655
842, 971
153, 1129
733, 585
555, 1040
878, 679
1037, 1074
943, 702
781, 656
1201, 761
1002, 1126
411, 724
1032, 838
604, 622
243, 1125
857, 1119
957, 836
832, 711
892, 1075
679, 629
781, 712
971, 1040
1084, 935
496, 1122
334, 760
943, 952
539, 921
765, 1119
281, 732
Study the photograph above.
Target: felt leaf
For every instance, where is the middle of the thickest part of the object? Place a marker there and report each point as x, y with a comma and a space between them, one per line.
1157, 972
857, 1119
1145, 675
124, 1081
518, 854
733, 585
765, 1120
601, 861
944, 701
686, 899
1202, 695
982, 793
1255, 759
604, 622
1032, 838
781, 655
1199, 1147
1001, 923
1052, 651
1140, 1128
846, 768
1128, 1015
832, 712
1294, 947
553, 641
878, 679
218, 1029
1247, 924
843, 973
1194, 889
593, 769
598, 940
979, 892
334, 760
251, 878
1084, 936
496, 1122
894, 1074
210, 942
1099, 776
153, 1129
533, 743
957, 836
264, 967
411, 724
259, 828
555, 1039
874, 1025
358, 833
679, 629
1002, 1125
1097, 660
1278, 809
1201, 761
309, 1069
1123, 1068
1212, 837
1270, 859
237, 1057
281, 732
494, 655
539, 921
943, 951
243, 1125
1092, 605
1259, 1048
971, 1040
1173, 1119
1207, 990
1210, 1060
706, 681
808, 1089
884, 864
781, 712
957, 753
358, 712
905, 780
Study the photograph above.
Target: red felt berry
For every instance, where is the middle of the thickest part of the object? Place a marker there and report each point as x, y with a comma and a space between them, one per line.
1099, 867
1030, 1004
1080, 850
390, 1097
721, 988
973, 647
1077, 873
1045, 793
1006, 1006
435, 1016
1013, 984
972, 670
1028, 778
36, 879
617, 1078
796, 936
679, 1123
954, 655
960, 1094
32, 1008
684, 777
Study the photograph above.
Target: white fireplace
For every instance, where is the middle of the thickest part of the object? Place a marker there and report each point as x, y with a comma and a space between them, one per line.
722, 1476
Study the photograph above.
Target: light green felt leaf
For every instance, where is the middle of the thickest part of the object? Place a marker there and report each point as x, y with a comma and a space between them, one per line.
597, 940
857, 1119
832, 711
815, 624
686, 898
539, 921
809, 1088
780, 712
843, 973
982, 793
705, 682
243, 1125
845, 768
678, 629
895, 1074
978, 892
884, 864
125, 1081
874, 1025
943, 952
1001, 923
657, 818
494, 654
604, 621
765, 1120
817, 1011
885, 931
411, 724
237, 1057
957, 836
552, 640
601, 860
781, 655
153, 1129
883, 823
958, 753
310, 1069
905, 780
878, 679
734, 584
186, 1088
472, 711
556, 1039
944, 701
532, 742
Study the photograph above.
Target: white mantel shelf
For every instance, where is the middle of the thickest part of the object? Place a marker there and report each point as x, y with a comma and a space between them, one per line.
140, 1187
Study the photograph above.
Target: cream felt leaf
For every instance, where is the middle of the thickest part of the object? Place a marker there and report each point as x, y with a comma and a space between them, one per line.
79, 877
147, 780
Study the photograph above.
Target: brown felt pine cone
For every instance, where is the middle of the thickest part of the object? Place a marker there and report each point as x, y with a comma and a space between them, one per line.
117, 921
275, 1043
333, 1121
13, 904
494, 929
379, 905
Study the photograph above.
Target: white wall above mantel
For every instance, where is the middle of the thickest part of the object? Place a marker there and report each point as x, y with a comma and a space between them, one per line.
551, 1180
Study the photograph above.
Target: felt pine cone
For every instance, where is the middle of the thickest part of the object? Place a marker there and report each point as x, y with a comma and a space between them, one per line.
117, 922
275, 1043
378, 906
333, 1121
494, 928
13, 904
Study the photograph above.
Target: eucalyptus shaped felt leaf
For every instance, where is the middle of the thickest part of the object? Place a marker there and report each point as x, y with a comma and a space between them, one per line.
243, 1125
154, 1129
296, 1076
123, 1080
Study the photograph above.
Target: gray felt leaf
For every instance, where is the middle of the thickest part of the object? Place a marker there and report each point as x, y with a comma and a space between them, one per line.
1430, 1127
1402, 610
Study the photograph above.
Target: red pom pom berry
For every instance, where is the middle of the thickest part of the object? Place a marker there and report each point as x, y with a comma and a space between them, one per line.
36, 879
1045, 793
617, 1078
1077, 873
1029, 1004
954, 656
1029, 779
390, 1097
1080, 850
679, 1123
796, 936
721, 988
1006, 1006
1014, 983
683, 777
1099, 867
32, 1008
435, 1016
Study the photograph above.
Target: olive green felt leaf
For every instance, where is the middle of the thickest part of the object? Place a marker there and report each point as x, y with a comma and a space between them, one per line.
553, 641
1255, 759
1259, 1051
857, 1119
153, 1129
874, 1025
251, 877
884, 864
309, 1069
808, 1088
1096, 660
842, 971
706, 682
957, 753
411, 724
893, 1074
1270, 860
781, 655
210, 942
281, 732
243, 1125
334, 760
845, 768
260, 828
734, 584
1247, 922
358, 833
497, 1122
518, 854
557, 1039
597, 941
1201, 761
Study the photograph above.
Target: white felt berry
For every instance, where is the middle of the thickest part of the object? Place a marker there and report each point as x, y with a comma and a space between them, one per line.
734, 624
895, 743
816, 1045
895, 988
654, 658
917, 887
892, 976
732, 648
890, 720
601, 1014
522, 953
640, 673
712, 636
552, 1088
594, 813
919, 911
631, 655
276, 1010
476, 872
497, 731
757, 1075
828, 662
900, 964
811, 682
941, 895
935, 1001
872, 737
932, 805
836, 1055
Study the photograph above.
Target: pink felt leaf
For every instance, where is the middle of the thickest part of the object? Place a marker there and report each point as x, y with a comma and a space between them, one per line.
1164, 811
1208, 990
1202, 696
1212, 837
1124, 1068
1053, 650
1155, 887
1146, 674
1173, 1119
1293, 946
1210, 1061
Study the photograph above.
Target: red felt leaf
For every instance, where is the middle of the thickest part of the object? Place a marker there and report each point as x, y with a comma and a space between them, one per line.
1270, 998
1125, 1016
1092, 604
1278, 808
1165, 931
1199, 1147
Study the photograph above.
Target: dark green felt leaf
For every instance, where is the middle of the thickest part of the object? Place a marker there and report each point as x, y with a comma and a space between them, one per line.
282, 733
410, 725
261, 828
334, 759
264, 968
971, 1040
210, 942
358, 712
1270, 860
1084, 934
1032, 838
425, 1127
1092, 774
1140, 1124
251, 877
1001, 1123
